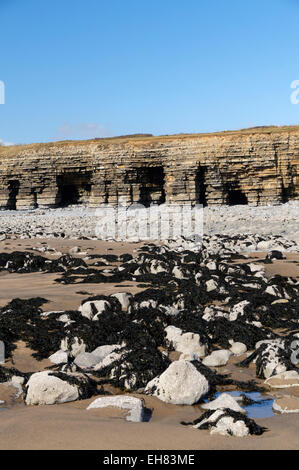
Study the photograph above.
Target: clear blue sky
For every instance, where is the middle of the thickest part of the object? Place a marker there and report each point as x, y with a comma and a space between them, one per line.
78, 69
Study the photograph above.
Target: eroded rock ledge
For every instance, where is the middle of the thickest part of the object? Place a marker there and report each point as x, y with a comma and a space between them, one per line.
254, 166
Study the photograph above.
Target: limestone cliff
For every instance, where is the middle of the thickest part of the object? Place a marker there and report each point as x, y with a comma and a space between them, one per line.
255, 166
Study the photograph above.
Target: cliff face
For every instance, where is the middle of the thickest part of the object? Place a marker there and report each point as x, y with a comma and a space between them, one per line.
254, 166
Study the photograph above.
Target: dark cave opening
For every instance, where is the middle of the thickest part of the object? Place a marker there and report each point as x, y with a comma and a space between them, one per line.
149, 182
200, 186
13, 188
152, 186
236, 197
73, 188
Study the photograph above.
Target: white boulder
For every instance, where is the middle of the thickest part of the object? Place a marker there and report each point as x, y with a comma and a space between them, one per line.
59, 357
103, 351
286, 379
217, 358
238, 348
44, 388
286, 404
186, 343
86, 360
224, 401
132, 404
92, 309
123, 298
180, 384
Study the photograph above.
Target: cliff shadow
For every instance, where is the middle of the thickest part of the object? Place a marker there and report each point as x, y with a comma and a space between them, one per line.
201, 186
73, 188
13, 191
148, 184
234, 195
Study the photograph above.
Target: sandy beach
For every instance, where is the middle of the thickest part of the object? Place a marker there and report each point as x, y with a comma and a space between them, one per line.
70, 425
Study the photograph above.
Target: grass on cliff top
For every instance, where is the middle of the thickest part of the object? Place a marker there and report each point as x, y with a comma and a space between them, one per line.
140, 138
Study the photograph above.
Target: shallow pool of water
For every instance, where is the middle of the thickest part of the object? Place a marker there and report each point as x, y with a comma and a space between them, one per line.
263, 409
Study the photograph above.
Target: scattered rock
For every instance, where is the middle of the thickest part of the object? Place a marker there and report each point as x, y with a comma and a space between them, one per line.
224, 401
286, 404
133, 405
180, 384
284, 380
217, 358
49, 388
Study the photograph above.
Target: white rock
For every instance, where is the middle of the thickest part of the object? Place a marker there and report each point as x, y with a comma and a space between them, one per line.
103, 351
108, 360
225, 426
44, 389
178, 273
123, 298
59, 357
187, 343
92, 309
238, 348
74, 250
211, 285
237, 309
74, 347
228, 427
217, 358
224, 401
287, 379
272, 290
86, 360
180, 384
256, 267
134, 405
286, 404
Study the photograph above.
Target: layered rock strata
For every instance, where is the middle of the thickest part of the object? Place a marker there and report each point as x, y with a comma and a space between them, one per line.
254, 166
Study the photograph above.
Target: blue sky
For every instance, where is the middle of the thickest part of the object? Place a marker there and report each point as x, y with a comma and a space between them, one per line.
77, 69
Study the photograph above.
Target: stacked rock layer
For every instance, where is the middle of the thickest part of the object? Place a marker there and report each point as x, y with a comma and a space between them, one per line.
255, 167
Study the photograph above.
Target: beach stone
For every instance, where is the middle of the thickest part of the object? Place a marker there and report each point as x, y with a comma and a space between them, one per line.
86, 360
123, 298
103, 351
93, 309
74, 250
238, 310
221, 423
224, 401
286, 379
254, 268
187, 343
59, 357
271, 360
287, 404
217, 358
275, 254
211, 285
178, 273
228, 427
238, 348
45, 388
74, 347
133, 405
180, 384
109, 359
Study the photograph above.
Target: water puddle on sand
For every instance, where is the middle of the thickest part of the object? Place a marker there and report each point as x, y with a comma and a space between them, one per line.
262, 409
4, 407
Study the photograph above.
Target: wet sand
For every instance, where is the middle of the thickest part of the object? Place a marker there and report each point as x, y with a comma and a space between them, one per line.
71, 426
